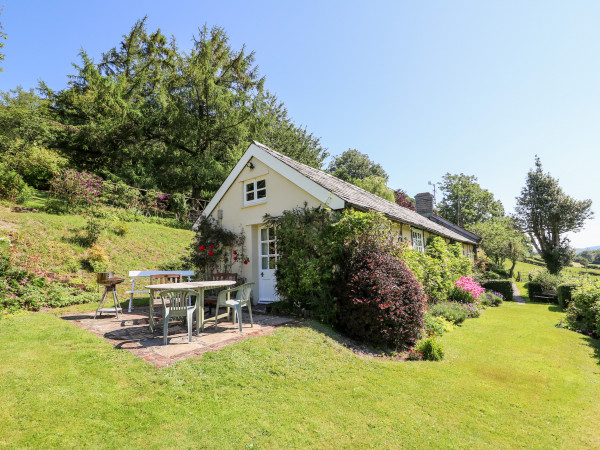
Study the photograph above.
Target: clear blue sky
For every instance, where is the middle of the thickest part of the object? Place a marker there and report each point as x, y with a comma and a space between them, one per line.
423, 88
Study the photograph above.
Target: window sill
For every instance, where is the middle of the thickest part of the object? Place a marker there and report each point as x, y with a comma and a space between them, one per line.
254, 203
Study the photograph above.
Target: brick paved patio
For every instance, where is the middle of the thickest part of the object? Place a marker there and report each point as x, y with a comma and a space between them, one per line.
131, 332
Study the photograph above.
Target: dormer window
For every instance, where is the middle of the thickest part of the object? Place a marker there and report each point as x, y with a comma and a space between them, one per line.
255, 191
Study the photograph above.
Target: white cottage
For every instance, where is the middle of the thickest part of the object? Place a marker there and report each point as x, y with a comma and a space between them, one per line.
267, 182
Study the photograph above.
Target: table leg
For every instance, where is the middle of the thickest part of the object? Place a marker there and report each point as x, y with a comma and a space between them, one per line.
151, 309
116, 300
200, 312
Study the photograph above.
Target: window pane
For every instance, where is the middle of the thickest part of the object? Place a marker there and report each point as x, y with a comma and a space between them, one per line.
265, 262
264, 249
249, 187
263, 234
261, 184
272, 262
271, 248
261, 194
271, 233
249, 196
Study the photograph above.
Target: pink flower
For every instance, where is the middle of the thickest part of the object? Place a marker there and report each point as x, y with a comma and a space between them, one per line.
211, 246
235, 258
210, 253
245, 262
235, 252
201, 248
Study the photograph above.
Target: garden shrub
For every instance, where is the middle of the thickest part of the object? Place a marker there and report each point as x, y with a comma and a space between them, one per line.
76, 189
120, 195
12, 186
452, 312
504, 287
383, 303
121, 228
534, 289
93, 229
438, 268
435, 325
428, 349
215, 249
456, 294
565, 292
491, 298
547, 280
97, 258
583, 313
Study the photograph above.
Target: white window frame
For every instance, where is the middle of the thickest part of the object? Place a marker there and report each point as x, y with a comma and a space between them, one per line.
255, 190
418, 243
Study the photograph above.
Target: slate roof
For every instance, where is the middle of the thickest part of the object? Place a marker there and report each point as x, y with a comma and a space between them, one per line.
361, 199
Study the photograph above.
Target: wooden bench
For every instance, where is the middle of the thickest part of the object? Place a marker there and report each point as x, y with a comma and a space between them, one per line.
548, 296
133, 274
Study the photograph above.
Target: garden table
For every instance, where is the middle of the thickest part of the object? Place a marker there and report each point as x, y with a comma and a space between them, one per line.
198, 286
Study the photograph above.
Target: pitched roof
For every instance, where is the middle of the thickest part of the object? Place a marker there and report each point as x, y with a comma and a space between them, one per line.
361, 199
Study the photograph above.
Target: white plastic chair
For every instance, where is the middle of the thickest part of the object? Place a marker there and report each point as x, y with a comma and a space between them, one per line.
242, 298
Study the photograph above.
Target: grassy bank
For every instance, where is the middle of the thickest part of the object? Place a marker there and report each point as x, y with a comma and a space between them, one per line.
52, 243
510, 379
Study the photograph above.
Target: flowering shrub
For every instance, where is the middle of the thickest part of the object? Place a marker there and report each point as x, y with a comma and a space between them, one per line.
76, 188
215, 249
435, 325
469, 285
491, 298
382, 303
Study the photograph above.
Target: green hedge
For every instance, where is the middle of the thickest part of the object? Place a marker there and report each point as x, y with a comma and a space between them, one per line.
504, 287
565, 292
534, 289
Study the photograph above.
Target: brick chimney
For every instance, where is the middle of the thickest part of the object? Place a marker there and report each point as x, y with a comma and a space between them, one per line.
424, 204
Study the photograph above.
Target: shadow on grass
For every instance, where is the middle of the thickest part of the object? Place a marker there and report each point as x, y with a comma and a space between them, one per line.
595, 344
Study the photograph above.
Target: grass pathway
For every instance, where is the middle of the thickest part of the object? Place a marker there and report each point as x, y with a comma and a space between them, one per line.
509, 379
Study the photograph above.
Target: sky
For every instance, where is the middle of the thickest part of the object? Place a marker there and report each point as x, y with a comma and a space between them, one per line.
423, 88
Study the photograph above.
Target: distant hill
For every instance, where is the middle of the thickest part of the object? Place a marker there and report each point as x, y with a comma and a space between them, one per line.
579, 250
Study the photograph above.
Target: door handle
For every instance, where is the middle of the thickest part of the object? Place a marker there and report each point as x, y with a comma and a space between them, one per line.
262, 274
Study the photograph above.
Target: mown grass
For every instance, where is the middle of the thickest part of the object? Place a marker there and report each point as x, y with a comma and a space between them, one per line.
509, 379
51, 243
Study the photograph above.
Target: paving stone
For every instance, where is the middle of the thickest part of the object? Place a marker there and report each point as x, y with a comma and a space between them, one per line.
131, 332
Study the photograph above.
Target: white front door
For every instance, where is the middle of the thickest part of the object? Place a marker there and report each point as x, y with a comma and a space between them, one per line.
266, 265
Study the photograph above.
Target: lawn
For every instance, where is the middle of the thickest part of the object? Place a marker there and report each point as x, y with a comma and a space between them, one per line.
509, 379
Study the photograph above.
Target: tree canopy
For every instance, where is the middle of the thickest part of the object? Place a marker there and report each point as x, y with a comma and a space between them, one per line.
465, 202
546, 213
502, 241
353, 165
2, 38
154, 116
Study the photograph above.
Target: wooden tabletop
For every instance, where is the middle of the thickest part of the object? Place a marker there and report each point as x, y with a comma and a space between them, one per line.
192, 285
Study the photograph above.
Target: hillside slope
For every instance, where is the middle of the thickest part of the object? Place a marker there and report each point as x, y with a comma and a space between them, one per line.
51, 243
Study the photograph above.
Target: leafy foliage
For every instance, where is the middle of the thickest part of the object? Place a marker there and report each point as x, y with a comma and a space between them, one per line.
465, 203
215, 249
439, 267
97, 258
354, 165
382, 302
451, 311
375, 185
502, 241
12, 186
583, 313
428, 349
147, 106
546, 214
76, 189
503, 287
402, 199
23, 290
